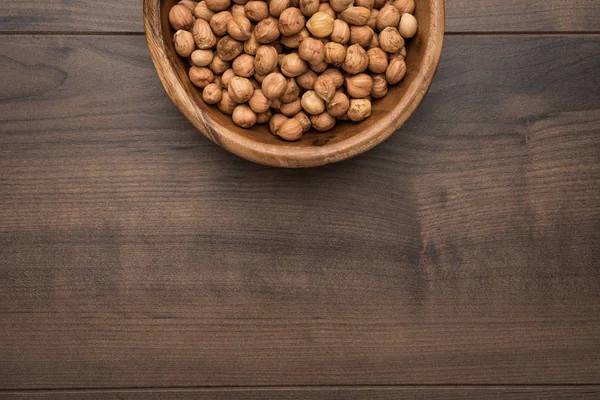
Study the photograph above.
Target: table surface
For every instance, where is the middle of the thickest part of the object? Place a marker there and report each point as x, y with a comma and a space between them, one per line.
461, 258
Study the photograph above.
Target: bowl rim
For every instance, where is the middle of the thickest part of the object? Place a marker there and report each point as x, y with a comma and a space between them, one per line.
289, 156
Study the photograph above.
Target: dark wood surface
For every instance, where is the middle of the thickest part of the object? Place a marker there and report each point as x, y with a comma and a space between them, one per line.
463, 251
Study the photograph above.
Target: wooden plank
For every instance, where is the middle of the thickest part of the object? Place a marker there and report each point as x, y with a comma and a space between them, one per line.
341, 393
135, 253
461, 16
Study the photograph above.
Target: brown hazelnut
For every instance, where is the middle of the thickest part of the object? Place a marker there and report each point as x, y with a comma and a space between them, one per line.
339, 104
361, 35
322, 122
218, 66
372, 21
359, 86
380, 86
378, 60
336, 75
293, 42
324, 87
292, 91
266, 59
259, 103
202, 11
240, 89
226, 104
320, 24
290, 109
309, 7
243, 116
203, 35
181, 17
239, 28
364, 3
374, 41
243, 65
276, 7
389, 16
290, 129
312, 103
326, 8
390, 40
251, 45
201, 76
340, 5
218, 81
359, 109
228, 48
212, 93
183, 41
255, 84
275, 104
201, 58
217, 5
291, 21
312, 51
356, 15
189, 4
356, 60
341, 31
218, 22
256, 10
263, 118
405, 6
237, 10
274, 85
304, 121
266, 31
408, 26
318, 68
335, 53
395, 71
275, 123
226, 77
307, 80
292, 65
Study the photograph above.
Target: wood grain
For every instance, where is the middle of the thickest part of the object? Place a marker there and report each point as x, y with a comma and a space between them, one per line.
135, 253
461, 16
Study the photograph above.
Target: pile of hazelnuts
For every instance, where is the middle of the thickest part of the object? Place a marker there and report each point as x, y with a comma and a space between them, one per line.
294, 64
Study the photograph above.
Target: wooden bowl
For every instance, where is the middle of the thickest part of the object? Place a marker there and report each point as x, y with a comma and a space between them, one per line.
346, 140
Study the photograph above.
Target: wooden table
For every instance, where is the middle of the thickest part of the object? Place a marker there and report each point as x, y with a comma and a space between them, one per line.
461, 258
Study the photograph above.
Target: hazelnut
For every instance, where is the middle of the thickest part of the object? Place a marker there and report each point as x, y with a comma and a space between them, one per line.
218, 81
226, 77
218, 66
378, 60
259, 103
255, 84
181, 17
263, 118
293, 42
219, 21
266, 31
291, 21
320, 24
359, 86
237, 10
405, 6
243, 65
290, 129
201, 11
335, 53
312, 51
189, 4
274, 85
212, 93
276, 7
364, 3
291, 92
359, 109
340, 5
324, 87
380, 86
374, 41
290, 109
341, 31
372, 21
243, 116
228, 48
275, 104
183, 41
203, 35
356, 15
251, 45
240, 89
307, 80
239, 28
275, 123
389, 16
339, 104
256, 10
322, 122
217, 5
201, 76
304, 121
292, 65
395, 71
266, 59
408, 26
356, 60
326, 8
201, 58
361, 35
226, 105
309, 7
390, 40
312, 103
336, 75
318, 68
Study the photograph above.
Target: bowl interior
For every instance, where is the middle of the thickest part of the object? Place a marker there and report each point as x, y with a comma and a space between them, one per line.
345, 140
